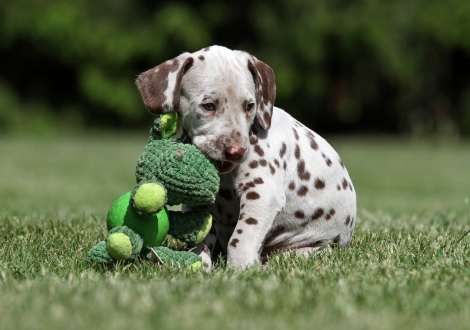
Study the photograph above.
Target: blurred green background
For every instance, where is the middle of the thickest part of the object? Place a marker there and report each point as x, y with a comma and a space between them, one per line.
368, 66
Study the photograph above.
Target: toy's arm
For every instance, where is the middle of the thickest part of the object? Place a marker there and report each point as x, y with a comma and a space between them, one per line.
167, 256
191, 226
148, 197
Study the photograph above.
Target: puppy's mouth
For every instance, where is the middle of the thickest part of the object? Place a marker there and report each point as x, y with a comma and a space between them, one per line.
225, 166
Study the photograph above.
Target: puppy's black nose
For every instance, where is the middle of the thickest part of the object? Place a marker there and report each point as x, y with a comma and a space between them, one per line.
234, 152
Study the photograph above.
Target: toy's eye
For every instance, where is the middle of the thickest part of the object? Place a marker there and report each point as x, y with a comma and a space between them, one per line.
209, 106
250, 106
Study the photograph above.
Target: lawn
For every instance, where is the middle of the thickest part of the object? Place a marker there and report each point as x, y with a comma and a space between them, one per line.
408, 266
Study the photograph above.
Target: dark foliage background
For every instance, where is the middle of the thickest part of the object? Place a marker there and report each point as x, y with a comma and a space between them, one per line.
341, 66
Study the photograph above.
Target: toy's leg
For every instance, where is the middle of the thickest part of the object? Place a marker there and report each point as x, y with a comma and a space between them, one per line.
99, 254
191, 226
200, 227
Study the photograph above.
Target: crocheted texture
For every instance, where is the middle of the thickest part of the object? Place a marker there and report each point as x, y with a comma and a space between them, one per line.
116, 248
187, 174
190, 227
175, 258
99, 254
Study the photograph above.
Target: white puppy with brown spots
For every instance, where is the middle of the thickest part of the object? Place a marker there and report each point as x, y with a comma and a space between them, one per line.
282, 185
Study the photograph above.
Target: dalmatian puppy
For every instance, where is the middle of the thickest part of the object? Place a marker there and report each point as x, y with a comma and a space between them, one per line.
283, 187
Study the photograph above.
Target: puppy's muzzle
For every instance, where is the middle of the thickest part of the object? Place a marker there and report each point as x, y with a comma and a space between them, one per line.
234, 153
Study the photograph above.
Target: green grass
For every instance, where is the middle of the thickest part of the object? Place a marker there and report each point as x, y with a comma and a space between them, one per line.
408, 266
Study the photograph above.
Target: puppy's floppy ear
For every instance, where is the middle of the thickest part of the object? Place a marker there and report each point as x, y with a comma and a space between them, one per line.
160, 87
265, 85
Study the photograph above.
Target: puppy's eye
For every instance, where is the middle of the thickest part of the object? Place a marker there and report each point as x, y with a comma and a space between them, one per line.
209, 106
250, 106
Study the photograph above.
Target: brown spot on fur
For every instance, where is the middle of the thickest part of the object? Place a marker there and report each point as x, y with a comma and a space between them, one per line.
251, 221
313, 143
341, 163
239, 231
253, 164
350, 186
303, 174
277, 163
242, 206
296, 135
285, 165
328, 162
297, 151
234, 242
319, 184
302, 191
317, 214
258, 181
253, 139
345, 184
283, 150
292, 185
273, 170
348, 218
201, 57
242, 215
252, 195
338, 187
330, 214
263, 162
247, 174
205, 264
299, 214
207, 48
259, 150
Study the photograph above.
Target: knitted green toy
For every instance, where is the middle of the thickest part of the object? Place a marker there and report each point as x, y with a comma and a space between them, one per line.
169, 172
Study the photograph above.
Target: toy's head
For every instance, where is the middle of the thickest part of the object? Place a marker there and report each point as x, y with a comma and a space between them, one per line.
186, 173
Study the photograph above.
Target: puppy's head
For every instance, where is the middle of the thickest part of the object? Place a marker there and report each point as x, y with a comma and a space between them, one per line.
219, 93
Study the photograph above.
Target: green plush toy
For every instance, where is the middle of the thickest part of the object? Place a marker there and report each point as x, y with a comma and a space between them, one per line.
169, 172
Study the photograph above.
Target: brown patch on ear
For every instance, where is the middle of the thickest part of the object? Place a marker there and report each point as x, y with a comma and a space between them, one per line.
153, 84
265, 85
